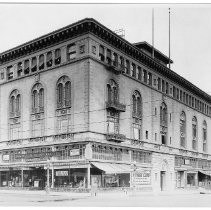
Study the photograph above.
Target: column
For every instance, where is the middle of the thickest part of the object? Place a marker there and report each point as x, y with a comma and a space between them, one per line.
0, 179
22, 180
52, 181
88, 176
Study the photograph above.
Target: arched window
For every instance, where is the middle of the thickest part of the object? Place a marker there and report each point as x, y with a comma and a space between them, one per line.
37, 98
163, 123
137, 104
137, 115
63, 92
182, 129
14, 112
67, 93
194, 133
204, 136
112, 91
163, 115
15, 101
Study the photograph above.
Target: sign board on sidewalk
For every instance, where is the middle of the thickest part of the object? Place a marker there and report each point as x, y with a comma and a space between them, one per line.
141, 177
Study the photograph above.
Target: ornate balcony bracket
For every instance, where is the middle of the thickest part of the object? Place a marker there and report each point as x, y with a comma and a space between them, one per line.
115, 137
116, 106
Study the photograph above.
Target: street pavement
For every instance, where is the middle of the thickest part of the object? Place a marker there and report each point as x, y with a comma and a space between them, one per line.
179, 199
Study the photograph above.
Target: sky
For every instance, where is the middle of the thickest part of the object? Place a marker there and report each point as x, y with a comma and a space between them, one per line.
190, 29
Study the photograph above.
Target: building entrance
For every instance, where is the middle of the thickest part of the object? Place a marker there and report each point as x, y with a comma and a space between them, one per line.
162, 180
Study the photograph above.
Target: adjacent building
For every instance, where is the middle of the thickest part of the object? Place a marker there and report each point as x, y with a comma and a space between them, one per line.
82, 107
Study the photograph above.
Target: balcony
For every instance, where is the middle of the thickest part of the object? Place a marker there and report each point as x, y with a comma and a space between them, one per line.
137, 115
115, 105
115, 68
115, 137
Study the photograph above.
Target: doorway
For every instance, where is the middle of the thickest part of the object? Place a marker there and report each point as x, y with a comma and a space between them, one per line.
162, 180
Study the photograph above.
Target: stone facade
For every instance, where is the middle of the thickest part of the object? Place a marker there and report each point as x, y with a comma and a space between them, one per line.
89, 73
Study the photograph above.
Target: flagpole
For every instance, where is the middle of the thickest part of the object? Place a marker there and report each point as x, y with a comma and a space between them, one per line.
169, 39
153, 51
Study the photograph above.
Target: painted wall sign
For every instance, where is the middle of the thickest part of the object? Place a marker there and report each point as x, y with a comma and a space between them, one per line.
142, 177
74, 152
5, 157
61, 173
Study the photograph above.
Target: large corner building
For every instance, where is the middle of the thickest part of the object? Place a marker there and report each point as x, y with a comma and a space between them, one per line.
81, 107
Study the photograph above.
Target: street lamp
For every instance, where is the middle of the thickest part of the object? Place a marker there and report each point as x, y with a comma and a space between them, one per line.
134, 167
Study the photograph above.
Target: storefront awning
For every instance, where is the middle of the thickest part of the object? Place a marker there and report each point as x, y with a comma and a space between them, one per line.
208, 173
112, 168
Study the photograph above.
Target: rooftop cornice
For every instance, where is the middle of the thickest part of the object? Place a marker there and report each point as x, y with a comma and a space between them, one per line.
90, 25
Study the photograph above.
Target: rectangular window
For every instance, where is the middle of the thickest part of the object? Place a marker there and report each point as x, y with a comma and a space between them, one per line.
82, 49
180, 95
2, 75
71, 51
37, 128
139, 73
192, 101
163, 139
177, 94
136, 129
34, 64
63, 124
133, 72
41, 62
49, 60
155, 136
26, 67
57, 60
159, 83
189, 101
112, 122
15, 131
115, 59
149, 79
127, 67
167, 88
147, 135
10, 72
163, 86
186, 99
145, 76
174, 92
108, 57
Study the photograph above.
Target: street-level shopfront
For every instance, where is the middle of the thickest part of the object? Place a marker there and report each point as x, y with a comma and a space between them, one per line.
108, 167
192, 172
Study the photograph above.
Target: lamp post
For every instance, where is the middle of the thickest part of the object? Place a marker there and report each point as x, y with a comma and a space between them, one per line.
134, 167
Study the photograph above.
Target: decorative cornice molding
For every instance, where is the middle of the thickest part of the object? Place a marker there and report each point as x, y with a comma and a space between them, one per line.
90, 25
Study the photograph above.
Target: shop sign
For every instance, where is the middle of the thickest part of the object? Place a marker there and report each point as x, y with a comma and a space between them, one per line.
74, 152
61, 173
187, 162
6, 157
141, 177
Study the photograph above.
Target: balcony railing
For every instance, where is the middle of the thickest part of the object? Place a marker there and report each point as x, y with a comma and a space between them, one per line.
114, 67
115, 137
116, 106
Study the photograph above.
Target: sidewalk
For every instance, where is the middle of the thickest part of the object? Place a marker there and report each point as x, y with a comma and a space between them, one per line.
107, 193
44, 193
